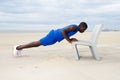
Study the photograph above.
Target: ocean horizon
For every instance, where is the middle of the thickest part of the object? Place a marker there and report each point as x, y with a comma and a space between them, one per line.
45, 29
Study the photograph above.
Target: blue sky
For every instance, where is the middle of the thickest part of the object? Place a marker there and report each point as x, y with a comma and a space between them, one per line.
47, 14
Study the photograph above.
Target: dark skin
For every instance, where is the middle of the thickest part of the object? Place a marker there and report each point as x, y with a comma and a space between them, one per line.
71, 29
81, 29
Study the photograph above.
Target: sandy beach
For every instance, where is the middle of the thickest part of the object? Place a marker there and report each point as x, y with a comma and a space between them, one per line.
57, 62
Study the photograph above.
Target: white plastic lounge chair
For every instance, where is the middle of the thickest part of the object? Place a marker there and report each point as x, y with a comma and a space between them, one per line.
91, 43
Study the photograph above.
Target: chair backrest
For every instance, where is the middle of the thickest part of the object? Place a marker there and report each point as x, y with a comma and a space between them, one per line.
95, 33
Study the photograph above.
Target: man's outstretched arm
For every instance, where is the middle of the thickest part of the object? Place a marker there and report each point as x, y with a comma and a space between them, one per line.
66, 30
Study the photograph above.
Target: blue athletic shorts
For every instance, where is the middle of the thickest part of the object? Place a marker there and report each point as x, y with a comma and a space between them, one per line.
49, 39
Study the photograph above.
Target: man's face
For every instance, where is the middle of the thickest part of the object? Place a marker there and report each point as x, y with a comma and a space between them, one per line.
81, 29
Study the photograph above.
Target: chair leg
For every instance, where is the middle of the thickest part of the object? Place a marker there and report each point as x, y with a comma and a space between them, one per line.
75, 50
94, 52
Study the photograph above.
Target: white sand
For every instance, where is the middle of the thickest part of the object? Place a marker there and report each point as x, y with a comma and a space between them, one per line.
57, 62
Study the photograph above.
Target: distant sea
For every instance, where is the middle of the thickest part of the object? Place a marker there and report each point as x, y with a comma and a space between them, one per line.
45, 29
